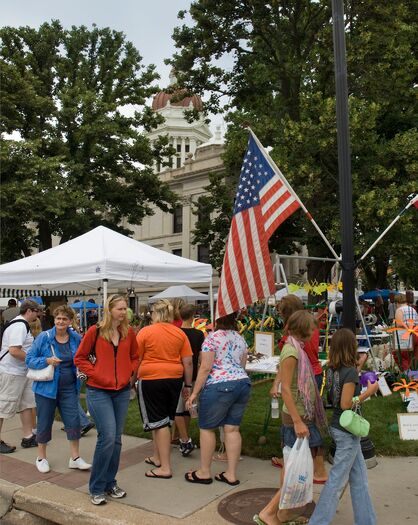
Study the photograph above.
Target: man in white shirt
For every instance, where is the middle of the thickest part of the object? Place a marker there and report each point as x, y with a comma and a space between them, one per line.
16, 396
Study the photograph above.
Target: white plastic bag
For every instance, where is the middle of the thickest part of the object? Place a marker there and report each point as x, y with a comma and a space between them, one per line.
297, 489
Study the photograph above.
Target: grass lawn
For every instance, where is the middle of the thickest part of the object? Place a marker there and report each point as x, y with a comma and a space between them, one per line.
380, 411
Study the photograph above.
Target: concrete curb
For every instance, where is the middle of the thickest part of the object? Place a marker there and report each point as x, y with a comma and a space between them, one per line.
7, 490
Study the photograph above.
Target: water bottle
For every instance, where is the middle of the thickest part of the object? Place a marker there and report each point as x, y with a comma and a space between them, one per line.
275, 408
193, 411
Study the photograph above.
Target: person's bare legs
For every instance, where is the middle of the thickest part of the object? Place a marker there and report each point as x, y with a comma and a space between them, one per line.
233, 443
162, 451
42, 450
75, 448
155, 453
26, 420
207, 448
182, 427
320, 472
270, 512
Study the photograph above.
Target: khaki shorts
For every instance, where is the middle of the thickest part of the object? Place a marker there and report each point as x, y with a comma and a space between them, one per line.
15, 395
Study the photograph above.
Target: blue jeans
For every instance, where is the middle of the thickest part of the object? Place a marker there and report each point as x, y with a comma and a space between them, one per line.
108, 409
349, 466
223, 403
66, 402
84, 420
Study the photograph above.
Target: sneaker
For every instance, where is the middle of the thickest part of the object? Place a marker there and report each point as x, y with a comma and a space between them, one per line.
116, 492
187, 448
87, 428
98, 499
80, 464
42, 465
5, 448
29, 442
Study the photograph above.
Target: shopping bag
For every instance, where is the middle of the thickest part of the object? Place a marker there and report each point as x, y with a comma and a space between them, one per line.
297, 488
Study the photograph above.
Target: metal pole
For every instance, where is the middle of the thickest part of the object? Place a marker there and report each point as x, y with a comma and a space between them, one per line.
211, 302
344, 165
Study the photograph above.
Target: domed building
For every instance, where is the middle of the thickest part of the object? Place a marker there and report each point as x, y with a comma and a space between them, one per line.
184, 136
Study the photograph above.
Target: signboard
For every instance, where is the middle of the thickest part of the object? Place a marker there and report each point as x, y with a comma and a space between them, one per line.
408, 426
383, 386
264, 343
413, 402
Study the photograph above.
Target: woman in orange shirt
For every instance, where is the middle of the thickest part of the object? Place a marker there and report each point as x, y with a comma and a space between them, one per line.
165, 358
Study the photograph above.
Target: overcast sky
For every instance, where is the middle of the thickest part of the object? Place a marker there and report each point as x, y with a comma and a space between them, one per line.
148, 24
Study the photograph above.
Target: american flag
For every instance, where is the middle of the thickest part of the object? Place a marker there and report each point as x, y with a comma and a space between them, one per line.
262, 202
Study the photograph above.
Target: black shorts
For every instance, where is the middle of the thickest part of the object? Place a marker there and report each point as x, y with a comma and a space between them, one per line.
158, 400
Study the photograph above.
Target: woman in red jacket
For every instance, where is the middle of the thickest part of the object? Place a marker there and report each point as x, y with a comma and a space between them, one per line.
108, 356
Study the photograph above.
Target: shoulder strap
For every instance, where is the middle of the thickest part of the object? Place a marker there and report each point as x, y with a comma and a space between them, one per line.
92, 353
7, 326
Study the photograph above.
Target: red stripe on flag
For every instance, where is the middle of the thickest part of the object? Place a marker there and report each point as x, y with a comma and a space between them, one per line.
251, 254
281, 218
239, 260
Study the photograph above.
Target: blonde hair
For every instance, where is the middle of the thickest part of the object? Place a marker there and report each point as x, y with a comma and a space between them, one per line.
163, 311
177, 303
301, 324
106, 326
400, 299
35, 327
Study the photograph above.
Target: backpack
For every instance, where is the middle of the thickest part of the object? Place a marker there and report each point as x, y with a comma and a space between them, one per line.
6, 325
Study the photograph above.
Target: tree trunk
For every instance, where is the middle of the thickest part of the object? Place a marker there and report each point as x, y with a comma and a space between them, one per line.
377, 274
44, 235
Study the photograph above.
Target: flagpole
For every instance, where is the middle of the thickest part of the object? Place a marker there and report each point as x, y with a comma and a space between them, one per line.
395, 220
289, 187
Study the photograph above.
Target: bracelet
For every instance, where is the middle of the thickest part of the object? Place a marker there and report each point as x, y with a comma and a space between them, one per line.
356, 400
187, 386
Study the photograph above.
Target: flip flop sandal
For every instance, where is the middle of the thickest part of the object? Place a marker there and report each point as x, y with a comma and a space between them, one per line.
152, 474
149, 461
195, 479
221, 477
319, 481
277, 462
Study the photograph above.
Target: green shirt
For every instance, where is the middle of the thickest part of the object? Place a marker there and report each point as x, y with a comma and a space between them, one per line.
290, 351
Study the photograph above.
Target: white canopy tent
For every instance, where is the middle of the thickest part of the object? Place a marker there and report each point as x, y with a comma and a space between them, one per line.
102, 258
182, 291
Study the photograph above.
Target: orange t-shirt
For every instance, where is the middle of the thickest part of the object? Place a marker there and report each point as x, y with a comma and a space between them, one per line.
161, 349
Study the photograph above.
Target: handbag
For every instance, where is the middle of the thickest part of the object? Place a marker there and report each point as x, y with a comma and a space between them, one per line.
42, 374
81, 376
355, 423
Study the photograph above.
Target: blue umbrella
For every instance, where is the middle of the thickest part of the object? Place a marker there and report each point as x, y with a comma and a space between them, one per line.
36, 299
84, 304
373, 294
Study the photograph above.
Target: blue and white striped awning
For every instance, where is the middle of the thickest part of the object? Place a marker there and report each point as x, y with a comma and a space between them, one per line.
19, 293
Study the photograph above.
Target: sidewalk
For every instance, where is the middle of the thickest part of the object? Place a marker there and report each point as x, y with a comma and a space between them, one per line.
61, 495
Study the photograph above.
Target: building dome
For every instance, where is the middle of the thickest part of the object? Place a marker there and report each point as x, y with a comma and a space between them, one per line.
162, 98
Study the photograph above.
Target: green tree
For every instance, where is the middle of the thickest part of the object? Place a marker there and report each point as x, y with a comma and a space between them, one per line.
73, 153
280, 79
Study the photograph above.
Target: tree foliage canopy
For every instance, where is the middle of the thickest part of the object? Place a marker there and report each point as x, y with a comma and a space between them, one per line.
273, 62
73, 155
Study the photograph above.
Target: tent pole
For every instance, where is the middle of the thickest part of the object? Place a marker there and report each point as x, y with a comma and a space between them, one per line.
211, 301
84, 316
104, 291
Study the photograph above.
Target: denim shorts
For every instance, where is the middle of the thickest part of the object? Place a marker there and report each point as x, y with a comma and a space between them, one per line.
289, 437
223, 403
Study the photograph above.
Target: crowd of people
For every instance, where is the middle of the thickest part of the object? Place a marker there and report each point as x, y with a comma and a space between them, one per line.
173, 368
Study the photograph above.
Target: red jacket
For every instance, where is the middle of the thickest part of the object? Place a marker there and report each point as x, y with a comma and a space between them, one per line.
112, 369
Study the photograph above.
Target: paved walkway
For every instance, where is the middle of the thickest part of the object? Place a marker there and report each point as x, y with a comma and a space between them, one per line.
393, 483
